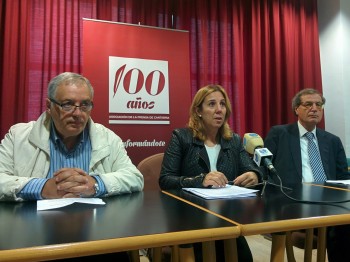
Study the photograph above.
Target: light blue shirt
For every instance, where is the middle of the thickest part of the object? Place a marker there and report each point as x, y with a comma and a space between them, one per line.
61, 157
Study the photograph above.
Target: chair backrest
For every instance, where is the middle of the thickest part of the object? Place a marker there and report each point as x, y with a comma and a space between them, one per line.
150, 169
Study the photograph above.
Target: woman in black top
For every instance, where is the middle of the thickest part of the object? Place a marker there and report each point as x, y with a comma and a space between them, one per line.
207, 153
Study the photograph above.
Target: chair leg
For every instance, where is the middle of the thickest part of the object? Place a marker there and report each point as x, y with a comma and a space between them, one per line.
289, 247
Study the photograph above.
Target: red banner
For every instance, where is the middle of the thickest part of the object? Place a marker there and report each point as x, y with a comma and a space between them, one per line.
141, 78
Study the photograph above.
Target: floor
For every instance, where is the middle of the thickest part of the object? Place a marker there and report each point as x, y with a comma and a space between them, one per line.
261, 249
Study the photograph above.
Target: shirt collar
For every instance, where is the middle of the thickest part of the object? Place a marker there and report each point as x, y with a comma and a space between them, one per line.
303, 131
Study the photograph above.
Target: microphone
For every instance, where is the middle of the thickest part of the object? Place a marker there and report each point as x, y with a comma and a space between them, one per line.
254, 145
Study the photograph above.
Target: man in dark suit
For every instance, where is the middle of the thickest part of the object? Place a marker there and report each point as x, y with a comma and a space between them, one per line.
289, 146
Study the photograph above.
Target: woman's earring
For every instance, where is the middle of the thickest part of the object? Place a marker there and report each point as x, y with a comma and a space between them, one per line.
200, 116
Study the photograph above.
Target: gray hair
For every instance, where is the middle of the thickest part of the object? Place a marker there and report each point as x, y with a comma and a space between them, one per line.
68, 78
296, 101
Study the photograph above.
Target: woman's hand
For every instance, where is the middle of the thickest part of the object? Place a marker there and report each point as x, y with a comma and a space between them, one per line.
215, 179
246, 179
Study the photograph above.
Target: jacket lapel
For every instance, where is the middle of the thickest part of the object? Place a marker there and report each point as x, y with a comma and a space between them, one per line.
323, 146
295, 147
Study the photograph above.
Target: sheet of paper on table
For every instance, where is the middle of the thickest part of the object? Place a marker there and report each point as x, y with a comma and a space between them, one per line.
230, 191
344, 182
47, 204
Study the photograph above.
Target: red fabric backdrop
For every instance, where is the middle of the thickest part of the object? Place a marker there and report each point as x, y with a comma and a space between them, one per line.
262, 52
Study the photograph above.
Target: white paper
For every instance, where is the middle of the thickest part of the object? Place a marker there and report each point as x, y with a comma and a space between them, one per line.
223, 192
47, 204
344, 182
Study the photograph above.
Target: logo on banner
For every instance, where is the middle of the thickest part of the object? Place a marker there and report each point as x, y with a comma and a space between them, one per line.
138, 91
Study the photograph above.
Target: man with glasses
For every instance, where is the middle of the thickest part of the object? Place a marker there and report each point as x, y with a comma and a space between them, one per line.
289, 144
64, 153
304, 153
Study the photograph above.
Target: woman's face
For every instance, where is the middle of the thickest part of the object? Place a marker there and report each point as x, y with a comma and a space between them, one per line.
213, 111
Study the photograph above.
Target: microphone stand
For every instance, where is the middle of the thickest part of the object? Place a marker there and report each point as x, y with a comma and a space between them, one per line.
266, 182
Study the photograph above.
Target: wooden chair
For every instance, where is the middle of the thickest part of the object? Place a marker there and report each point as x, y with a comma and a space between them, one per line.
308, 241
150, 169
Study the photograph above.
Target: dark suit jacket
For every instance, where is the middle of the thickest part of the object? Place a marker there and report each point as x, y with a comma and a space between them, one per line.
284, 143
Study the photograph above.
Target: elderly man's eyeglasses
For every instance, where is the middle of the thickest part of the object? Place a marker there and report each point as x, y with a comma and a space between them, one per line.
308, 105
70, 106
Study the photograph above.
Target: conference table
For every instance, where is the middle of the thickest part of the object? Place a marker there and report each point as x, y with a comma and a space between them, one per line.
275, 213
126, 222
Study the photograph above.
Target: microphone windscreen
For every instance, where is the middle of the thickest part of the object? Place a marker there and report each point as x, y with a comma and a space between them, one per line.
260, 154
251, 141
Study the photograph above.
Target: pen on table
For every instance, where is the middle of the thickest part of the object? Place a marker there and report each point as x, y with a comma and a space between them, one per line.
228, 183
232, 183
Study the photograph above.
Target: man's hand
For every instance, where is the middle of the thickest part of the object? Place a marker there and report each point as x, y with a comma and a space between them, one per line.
69, 182
50, 190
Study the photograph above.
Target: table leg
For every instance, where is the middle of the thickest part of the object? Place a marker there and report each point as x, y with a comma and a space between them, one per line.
278, 247
289, 247
209, 254
186, 253
230, 250
134, 255
321, 244
309, 238
157, 254
175, 253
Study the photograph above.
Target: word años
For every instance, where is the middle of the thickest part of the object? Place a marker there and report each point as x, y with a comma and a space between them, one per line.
138, 104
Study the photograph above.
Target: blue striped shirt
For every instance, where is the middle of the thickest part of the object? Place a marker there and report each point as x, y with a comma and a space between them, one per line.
78, 157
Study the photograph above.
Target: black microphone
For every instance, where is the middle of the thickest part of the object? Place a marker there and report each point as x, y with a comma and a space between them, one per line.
254, 145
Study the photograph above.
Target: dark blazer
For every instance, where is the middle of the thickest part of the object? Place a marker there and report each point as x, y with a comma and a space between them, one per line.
186, 159
284, 143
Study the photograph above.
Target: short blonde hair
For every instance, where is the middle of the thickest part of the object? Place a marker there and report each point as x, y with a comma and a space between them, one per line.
195, 123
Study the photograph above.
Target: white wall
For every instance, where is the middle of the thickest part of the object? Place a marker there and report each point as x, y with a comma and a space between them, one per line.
334, 35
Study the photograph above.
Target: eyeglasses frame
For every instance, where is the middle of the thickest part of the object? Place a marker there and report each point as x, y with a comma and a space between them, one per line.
74, 107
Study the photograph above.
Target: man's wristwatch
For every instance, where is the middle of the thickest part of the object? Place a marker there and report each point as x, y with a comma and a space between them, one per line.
97, 188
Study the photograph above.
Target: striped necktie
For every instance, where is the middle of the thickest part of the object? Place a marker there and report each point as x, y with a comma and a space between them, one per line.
315, 159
